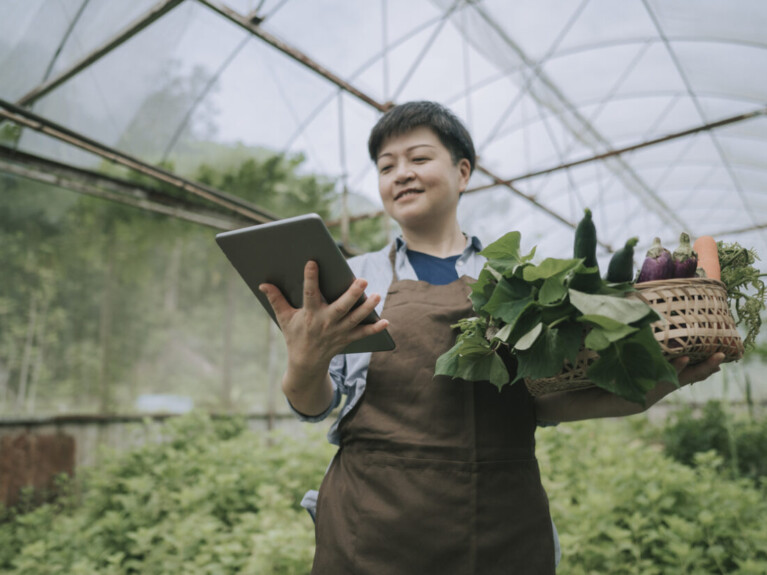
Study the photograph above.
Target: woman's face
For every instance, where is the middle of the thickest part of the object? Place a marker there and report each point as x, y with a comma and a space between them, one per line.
418, 181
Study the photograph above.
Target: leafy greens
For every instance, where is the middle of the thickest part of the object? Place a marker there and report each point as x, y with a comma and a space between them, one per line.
544, 315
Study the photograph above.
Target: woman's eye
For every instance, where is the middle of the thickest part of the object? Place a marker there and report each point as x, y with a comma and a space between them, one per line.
420, 160
384, 169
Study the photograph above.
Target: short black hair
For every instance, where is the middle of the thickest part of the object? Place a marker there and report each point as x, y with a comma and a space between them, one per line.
406, 117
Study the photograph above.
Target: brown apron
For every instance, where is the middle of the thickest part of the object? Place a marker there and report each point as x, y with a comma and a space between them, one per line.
433, 475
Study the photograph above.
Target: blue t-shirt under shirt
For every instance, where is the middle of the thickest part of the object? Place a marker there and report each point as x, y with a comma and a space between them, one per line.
433, 270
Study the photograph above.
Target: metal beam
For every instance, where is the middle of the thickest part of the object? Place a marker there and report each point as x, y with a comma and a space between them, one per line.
294, 53
744, 230
305, 60
157, 11
238, 205
109, 188
631, 148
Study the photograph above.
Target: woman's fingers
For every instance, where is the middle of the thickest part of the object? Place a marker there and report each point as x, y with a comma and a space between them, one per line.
358, 314
344, 304
700, 371
279, 303
312, 295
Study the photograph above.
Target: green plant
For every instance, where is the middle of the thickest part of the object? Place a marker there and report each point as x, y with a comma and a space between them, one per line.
623, 507
540, 314
206, 497
741, 442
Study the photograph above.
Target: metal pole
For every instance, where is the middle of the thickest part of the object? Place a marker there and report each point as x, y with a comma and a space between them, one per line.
28, 119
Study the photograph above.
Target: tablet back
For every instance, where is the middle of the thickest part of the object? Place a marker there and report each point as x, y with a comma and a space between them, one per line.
277, 252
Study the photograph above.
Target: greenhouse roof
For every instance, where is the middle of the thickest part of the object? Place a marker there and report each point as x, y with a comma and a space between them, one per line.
653, 113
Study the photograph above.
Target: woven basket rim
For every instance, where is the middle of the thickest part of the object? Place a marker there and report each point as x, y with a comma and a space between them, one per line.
677, 282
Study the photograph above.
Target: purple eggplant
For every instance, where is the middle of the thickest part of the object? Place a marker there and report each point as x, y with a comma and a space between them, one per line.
658, 264
685, 258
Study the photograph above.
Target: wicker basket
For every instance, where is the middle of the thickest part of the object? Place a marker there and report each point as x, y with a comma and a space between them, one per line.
696, 322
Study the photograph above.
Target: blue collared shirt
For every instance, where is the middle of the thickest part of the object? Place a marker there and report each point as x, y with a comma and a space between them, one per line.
348, 372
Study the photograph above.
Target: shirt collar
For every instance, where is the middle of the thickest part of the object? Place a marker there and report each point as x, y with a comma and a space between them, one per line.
474, 245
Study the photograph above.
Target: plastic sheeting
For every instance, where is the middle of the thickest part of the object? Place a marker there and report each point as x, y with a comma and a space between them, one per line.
540, 83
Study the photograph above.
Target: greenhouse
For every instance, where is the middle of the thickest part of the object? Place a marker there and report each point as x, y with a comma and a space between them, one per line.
133, 355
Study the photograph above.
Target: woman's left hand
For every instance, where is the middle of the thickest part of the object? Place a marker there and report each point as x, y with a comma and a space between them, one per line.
698, 372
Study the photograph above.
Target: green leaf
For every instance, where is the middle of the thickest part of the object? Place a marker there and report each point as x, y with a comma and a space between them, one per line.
624, 369
553, 291
620, 309
504, 254
529, 338
482, 289
447, 363
631, 367
570, 340
549, 268
507, 247
503, 333
544, 358
604, 331
510, 298
488, 367
597, 340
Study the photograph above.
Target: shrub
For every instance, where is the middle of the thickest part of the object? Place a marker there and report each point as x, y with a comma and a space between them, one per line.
622, 507
741, 442
213, 498
210, 498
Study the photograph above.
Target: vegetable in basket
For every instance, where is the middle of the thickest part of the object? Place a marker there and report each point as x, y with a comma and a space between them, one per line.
539, 314
658, 264
621, 267
685, 259
585, 245
708, 257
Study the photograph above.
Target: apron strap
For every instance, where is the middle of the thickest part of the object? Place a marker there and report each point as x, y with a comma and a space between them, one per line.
392, 260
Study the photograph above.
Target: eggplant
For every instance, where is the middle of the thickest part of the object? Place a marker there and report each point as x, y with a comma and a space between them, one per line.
684, 257
658, 264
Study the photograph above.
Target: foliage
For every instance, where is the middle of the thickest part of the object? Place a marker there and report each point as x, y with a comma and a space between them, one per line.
541, 312
741, 442
208, 497
746, 291
622, 507
211, 497
104, 302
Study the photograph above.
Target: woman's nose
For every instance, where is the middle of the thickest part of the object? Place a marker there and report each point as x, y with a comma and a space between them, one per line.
404, 173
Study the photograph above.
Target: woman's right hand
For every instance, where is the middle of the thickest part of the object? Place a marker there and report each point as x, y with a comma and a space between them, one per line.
318, 331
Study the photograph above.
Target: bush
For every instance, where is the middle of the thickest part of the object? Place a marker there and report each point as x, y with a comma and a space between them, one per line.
740, 442
210, 498
622, 507
213, 498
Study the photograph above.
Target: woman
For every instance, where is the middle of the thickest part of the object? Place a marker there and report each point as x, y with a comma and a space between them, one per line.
432, 475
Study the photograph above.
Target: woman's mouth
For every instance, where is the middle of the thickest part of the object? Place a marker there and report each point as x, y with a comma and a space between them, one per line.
405, 193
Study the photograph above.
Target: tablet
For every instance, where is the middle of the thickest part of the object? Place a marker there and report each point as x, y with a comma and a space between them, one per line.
277, 252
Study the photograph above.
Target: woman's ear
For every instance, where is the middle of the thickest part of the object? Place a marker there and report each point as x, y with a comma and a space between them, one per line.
464, 170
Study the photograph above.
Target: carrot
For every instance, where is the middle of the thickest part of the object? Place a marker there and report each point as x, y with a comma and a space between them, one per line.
708, 256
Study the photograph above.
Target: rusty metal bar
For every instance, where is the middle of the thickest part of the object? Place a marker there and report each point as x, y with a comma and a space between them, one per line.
303, 59
631, 148
99, 185
157, 11
28, 119
744, 230
243, 22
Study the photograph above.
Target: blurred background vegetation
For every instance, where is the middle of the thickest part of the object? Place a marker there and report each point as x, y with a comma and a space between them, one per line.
102, 303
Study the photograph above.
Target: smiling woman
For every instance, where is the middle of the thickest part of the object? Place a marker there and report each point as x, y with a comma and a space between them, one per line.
431, 468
